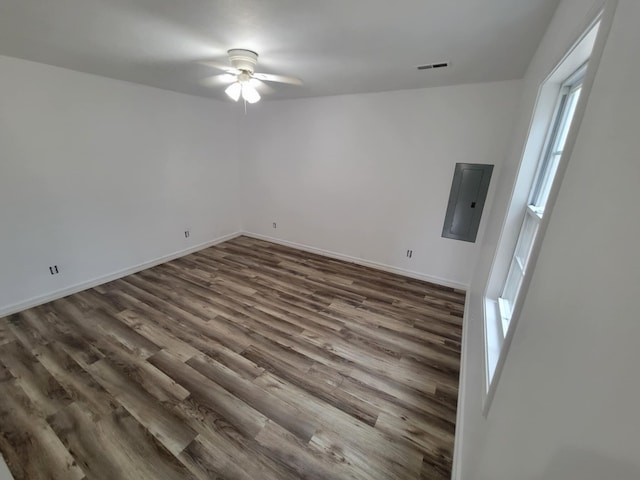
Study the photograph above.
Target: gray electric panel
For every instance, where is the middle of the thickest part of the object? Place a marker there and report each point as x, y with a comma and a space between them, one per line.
466, 201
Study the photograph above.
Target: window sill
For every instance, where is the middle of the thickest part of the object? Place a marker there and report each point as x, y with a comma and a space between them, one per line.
493, 337
494, 346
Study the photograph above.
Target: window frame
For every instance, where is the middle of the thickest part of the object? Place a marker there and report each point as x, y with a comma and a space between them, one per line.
546, 171
589, 45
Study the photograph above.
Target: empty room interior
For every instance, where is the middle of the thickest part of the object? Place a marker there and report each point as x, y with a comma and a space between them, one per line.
284, 239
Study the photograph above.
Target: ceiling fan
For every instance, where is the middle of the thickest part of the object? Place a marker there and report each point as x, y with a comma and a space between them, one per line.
242, 76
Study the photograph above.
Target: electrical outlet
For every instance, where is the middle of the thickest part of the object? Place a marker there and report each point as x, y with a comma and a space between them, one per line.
53, 270
409, 253
187, 233
274, 225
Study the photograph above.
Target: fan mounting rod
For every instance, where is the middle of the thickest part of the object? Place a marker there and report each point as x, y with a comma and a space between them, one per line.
244, 60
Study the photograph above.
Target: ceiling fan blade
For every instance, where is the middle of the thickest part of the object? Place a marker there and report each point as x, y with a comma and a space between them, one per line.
216, 80
261, 86
220, 66
268, 77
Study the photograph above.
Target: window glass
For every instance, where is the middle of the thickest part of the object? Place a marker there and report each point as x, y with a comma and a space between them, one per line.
557, 137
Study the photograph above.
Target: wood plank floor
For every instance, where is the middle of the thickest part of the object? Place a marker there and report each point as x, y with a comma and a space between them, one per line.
247, 360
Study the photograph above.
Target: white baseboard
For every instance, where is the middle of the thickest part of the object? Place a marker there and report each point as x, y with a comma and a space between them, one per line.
361, 261
456, 470
48, 297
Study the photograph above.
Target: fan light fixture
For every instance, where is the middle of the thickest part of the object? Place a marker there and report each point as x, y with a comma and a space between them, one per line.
242, 87
243, 79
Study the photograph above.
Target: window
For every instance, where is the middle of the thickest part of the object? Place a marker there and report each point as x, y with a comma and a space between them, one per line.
536, 185
535, 209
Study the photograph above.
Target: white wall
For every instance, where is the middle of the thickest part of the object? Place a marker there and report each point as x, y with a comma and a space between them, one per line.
368, 176
566, 403
98, 175
5, 474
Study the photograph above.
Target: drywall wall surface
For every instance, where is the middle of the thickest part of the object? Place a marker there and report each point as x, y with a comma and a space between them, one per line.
568, 23
566, 403
5, 474
98, 176
368, 176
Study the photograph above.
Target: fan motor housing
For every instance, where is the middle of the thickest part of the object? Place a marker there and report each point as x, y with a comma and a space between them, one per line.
244, 60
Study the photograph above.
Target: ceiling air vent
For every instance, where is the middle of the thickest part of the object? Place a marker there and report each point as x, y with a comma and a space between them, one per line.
433, 66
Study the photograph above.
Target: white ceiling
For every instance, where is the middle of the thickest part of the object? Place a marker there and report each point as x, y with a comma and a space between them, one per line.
334, 46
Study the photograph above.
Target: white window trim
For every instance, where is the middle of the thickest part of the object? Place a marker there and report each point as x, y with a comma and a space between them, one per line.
497, 342
532, 217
